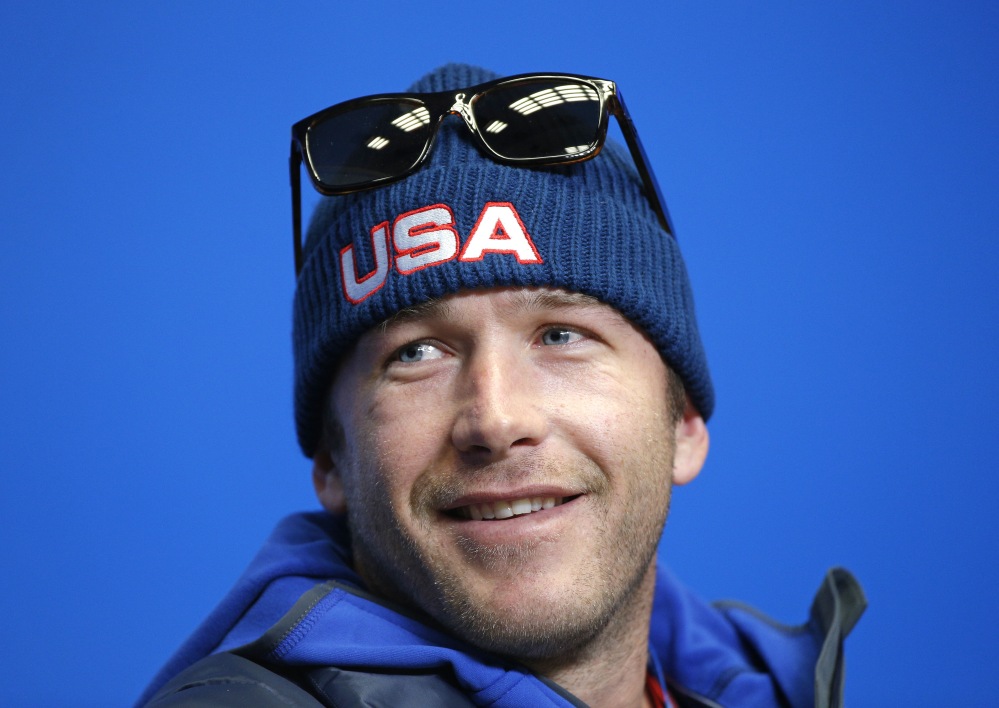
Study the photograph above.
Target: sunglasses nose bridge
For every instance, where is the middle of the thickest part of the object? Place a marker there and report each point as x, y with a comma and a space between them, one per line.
463, 108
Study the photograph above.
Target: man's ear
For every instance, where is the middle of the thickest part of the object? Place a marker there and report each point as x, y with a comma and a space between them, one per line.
329, 486
691, 445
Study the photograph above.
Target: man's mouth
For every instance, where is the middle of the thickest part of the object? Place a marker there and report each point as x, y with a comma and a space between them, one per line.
508, 508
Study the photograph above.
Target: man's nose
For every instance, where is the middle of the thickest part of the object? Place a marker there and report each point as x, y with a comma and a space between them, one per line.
501, 408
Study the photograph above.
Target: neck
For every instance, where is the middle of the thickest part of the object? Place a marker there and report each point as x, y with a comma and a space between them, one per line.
610, 671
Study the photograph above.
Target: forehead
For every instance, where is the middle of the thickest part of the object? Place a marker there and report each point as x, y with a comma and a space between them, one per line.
509, 302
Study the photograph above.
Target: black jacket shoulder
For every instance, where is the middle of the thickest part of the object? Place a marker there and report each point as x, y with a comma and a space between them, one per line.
228, 680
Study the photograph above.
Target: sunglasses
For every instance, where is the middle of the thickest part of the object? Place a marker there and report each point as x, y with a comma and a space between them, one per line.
524, 120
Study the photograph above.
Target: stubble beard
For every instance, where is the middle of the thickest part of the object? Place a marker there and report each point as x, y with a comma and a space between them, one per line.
570, 621
571, 618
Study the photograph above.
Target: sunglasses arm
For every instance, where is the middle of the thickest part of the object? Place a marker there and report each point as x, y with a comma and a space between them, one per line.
653, 194
295, 166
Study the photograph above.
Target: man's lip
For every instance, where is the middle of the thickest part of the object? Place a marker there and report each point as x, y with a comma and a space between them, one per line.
493, 496
522, 530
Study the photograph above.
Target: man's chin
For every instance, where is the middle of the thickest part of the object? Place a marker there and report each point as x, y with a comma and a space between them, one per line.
529, 642
527, 627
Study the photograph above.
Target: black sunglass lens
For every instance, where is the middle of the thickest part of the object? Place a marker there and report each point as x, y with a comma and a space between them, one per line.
368, 142
539, 118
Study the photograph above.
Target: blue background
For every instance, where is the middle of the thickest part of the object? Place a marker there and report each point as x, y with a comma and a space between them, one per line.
832, 169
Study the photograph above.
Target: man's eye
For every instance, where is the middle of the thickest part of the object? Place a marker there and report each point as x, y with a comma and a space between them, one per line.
419, 351
560, 335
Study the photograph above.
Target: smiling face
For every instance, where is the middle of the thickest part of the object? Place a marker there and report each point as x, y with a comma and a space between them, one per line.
505, 458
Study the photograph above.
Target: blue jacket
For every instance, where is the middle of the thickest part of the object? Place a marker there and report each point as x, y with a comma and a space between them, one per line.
299, 617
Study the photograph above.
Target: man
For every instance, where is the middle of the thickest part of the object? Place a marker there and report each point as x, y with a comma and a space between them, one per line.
499, 378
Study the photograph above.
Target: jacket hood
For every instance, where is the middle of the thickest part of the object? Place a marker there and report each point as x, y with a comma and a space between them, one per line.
301, 603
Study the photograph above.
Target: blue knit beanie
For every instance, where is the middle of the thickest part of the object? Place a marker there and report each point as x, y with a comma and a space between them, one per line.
587, 228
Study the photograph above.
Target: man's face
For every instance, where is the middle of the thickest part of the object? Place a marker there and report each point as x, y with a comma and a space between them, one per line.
506, 459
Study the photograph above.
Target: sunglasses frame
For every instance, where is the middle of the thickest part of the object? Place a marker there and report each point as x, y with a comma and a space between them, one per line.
462, 102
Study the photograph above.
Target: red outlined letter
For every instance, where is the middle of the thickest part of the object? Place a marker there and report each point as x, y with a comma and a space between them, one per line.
424, 237
358, 289
500, 230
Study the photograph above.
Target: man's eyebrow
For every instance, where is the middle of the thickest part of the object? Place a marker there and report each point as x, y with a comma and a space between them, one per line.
435, 308
523, 301
530, 301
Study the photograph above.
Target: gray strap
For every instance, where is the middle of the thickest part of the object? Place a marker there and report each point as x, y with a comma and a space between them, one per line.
838, 605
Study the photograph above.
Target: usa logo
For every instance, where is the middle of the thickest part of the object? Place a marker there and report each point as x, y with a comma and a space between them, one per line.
426, 237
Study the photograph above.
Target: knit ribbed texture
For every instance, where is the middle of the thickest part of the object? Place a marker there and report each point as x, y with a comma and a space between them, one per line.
590, 223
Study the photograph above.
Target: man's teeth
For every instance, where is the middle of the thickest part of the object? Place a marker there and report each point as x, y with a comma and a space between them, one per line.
510, 508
